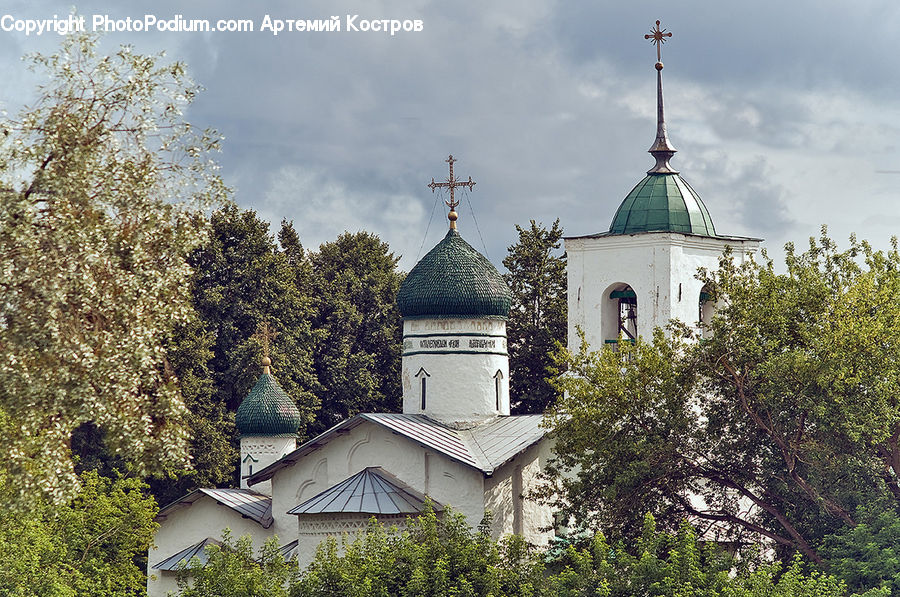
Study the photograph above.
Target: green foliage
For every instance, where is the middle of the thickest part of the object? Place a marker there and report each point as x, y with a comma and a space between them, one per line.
436, 555
93, 545
867, 555
678, 565
783, 418
104, 187
624, 425
241, 282
443, 556
357, 323
537, 319
232, 570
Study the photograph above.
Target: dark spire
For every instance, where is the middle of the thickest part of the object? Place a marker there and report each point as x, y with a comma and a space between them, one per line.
662, 149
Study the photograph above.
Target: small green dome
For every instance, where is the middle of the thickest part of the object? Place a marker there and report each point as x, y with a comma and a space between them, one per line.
454, 280
267, 410
662, 203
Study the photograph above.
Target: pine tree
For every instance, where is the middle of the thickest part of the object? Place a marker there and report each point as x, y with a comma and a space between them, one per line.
537, 320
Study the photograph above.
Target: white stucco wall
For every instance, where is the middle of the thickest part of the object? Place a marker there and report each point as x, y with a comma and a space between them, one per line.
659, 267
194, 523
258, 452
511, 484
461, 358
369, 444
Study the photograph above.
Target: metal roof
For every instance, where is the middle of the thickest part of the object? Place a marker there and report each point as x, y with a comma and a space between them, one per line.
246, 502
197, 550
372, 490
663, 202
429, 433
288, 550
503, 438
486, 446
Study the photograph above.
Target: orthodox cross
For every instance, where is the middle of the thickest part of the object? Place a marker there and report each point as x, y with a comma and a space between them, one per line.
265, 335
659, 38
451, 184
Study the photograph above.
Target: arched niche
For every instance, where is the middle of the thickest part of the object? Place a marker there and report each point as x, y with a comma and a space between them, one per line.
618, 313
707, 308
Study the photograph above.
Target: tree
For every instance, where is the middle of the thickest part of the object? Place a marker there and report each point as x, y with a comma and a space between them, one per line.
778, 425
678, 565
537, 319
436, 555
104, 187
358, 354
231, 569
94, 545
243, 281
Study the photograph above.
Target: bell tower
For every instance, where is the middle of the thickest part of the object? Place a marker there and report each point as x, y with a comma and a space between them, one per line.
641, 272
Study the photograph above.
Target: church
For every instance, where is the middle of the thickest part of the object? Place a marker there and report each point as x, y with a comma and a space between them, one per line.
455, 443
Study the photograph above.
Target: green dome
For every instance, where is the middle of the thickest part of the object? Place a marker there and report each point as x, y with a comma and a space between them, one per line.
662, 203
454, 280
267, 410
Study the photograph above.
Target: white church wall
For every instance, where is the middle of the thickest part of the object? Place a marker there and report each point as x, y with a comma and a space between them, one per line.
505, 496
258, 452
314, 529
369, 444
194, 523
459, 360
659, 267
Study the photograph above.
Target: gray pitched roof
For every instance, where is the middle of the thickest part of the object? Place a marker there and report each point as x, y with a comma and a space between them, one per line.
246, 502
485, 447
197, 550
372, 490
289, 550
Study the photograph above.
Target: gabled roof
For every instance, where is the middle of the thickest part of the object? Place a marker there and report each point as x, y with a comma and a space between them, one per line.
197, 550
485, 447
372, 490
246, 502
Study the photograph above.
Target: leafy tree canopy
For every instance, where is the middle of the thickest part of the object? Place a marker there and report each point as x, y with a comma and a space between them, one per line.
104, 186
358, 326
94, 545
232, 569
776, 426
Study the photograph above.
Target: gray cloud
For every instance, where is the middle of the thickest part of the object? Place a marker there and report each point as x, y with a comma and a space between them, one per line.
780, 111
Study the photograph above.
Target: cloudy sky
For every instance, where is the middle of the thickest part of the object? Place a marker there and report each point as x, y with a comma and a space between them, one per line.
785, 114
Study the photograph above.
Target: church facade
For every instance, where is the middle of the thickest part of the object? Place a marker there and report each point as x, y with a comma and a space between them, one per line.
455, 443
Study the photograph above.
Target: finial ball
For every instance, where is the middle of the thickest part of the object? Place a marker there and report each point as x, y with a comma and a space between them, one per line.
266, 362
659, 66
452, 216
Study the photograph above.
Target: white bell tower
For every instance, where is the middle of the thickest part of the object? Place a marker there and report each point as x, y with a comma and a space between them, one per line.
641, 273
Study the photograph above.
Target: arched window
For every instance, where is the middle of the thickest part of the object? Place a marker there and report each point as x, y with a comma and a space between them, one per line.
619, 314
423, 375
498, 385
707, 307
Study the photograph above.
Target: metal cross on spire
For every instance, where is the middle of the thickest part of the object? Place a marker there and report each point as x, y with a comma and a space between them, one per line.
265, 335
662, 149
451, 184
659, 38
